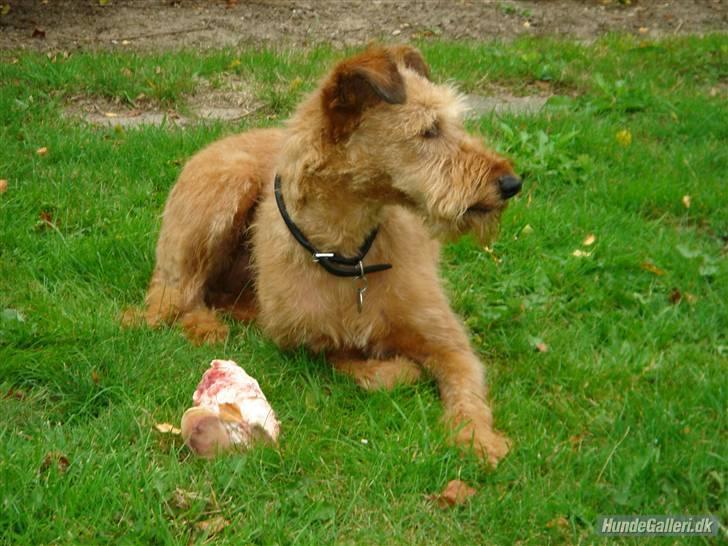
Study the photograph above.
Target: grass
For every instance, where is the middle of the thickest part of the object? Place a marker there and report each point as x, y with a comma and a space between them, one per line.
625, 413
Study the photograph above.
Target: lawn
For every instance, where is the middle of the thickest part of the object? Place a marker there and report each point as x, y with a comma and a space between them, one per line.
601, 312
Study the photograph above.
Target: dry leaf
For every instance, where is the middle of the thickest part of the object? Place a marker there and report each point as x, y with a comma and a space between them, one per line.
455, 493
46, 220
560, 522
589, 240
42, 151
3, 186
103, 2
581, 253
652, 268
576, 440
5, 9
686, 201
691, 298
12, 393
624, 137
643, 30
526, 24
212, 526
111, 115
183, 499
95, 377
675, 296
542, 347
527, 230
56, 458
166, 428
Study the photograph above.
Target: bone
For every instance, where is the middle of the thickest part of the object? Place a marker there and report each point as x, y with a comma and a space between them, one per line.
230, 412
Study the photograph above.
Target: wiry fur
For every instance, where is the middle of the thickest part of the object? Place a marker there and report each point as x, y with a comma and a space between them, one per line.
377, 144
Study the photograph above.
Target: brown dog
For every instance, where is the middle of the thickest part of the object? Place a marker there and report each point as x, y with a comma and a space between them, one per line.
372, 167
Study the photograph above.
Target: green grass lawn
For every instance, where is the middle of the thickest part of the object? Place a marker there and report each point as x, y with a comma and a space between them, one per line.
625, 413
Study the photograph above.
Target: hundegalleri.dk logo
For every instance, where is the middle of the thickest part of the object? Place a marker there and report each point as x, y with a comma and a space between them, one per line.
657, 525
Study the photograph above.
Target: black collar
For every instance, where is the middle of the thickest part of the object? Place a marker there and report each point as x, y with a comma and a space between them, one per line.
333, 263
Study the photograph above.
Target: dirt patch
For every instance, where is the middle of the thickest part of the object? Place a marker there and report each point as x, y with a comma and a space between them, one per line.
170, 24
226, 99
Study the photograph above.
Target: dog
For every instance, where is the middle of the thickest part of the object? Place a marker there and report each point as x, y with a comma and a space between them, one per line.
326, 233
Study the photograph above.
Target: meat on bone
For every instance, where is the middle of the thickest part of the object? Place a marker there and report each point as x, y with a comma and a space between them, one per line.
230, 412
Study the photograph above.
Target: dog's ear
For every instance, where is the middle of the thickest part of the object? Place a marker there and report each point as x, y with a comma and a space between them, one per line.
357, 84
411, 58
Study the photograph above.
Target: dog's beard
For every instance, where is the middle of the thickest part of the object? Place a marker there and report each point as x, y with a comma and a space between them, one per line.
484, 226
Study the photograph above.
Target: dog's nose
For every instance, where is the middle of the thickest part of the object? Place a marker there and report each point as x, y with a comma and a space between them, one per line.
509, 185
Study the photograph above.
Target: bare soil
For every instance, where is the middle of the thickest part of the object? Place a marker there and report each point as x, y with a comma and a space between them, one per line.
172, 24
153, 25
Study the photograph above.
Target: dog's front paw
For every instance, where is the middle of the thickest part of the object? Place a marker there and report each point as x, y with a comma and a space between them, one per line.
204, 327
490, 445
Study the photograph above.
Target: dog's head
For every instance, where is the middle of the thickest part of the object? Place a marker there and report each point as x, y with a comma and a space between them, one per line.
404, 134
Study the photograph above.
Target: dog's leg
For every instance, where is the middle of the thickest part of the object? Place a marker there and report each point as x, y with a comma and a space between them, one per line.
167, 303
374, 374
445, 352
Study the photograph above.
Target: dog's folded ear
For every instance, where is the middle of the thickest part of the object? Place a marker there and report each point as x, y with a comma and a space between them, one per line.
411, 58
357, 84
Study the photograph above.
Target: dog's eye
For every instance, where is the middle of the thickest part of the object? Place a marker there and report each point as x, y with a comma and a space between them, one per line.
432, 131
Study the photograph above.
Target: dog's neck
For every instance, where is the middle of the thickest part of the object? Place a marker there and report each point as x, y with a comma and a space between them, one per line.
331, 212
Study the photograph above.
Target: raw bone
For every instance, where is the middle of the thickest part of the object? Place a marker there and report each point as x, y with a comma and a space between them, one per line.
230, 411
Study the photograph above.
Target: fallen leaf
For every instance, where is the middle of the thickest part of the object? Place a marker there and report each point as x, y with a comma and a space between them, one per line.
126, 72
42, 151
589, 240
581, 253
46, 220
624, 137
526, 24
691, 298
212, 526
95, 377
675, 296
686, 201
5, 9
527, 230
652, 268
559, 522
167, 428
111, 115
3, 186
103, 2
643, 30
56, 458
38, 33
183, 499
576, 440
538, 344
14, 394
455, 493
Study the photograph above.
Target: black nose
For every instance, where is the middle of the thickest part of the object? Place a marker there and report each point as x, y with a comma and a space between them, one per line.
509, 185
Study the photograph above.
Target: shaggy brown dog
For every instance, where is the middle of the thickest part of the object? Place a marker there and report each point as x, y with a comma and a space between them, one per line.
377, 146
